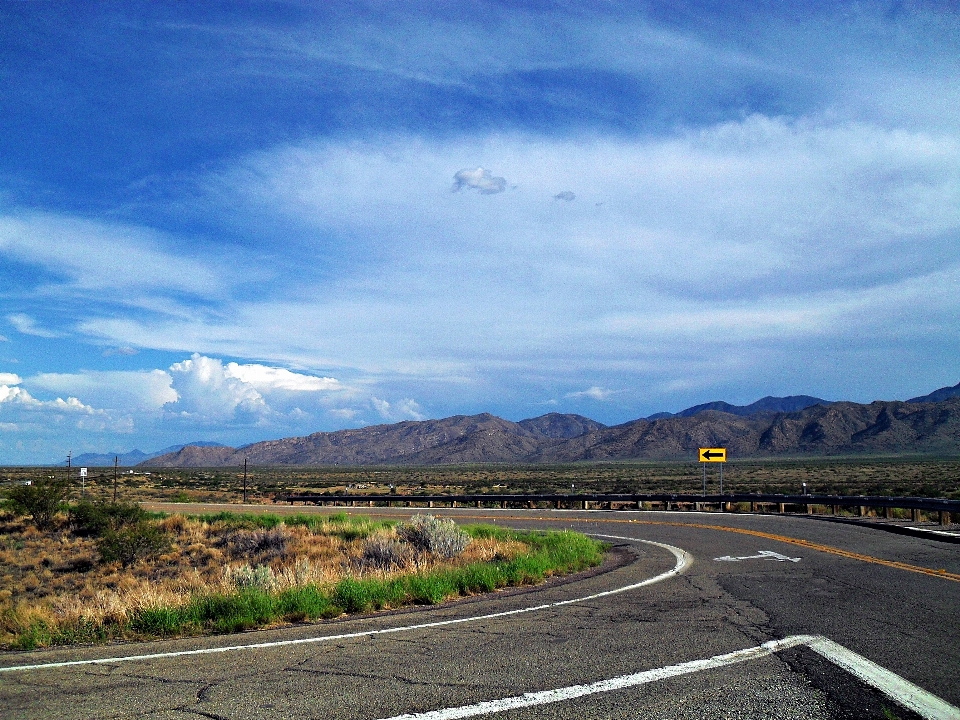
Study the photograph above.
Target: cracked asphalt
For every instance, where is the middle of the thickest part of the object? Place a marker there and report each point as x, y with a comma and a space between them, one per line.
905, 621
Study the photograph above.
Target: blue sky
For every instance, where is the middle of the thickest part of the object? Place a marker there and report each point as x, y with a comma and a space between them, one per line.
243, 221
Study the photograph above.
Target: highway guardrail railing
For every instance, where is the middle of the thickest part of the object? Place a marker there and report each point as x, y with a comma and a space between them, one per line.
861, 504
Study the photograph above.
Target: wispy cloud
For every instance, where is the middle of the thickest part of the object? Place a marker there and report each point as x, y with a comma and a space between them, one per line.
592, 393
28, 326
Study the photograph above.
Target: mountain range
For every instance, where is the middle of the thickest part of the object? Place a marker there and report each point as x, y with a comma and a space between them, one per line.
134, 457
790, 426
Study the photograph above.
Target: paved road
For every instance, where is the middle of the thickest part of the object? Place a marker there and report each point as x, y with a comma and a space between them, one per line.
850, 590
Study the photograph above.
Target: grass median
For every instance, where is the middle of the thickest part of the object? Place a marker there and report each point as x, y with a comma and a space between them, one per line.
228, 572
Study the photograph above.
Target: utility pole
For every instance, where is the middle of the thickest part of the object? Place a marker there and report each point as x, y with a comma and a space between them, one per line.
69, 458
116, 461
244, 481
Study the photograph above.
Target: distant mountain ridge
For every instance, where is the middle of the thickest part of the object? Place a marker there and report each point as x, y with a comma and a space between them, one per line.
134, 457
944, 393
817, 428
769, 404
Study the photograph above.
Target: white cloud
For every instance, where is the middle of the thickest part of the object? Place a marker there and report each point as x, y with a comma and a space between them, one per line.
35, 417
130, 390
265, 379
206, 392
406, 409
9, 379
28, 326
481, 180
593, 393
92, 255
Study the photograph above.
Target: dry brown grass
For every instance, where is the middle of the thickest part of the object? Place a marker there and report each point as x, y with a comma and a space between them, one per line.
56, 578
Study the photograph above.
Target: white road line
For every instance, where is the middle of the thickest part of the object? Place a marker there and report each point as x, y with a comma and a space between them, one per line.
684, 560
917, 699
890, 684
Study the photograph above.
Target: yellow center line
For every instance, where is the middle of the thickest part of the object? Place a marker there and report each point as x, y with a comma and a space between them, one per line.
942, 574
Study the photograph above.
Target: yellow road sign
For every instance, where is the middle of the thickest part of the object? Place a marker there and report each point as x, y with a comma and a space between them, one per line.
713, 454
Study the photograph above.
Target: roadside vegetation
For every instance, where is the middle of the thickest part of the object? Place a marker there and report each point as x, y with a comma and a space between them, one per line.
99, 572
868, 475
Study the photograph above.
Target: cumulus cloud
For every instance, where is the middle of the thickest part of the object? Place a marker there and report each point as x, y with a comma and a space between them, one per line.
265, 378
10, 378
566, 196
481, 180
17, 404
406, 409
593, 393
206, 391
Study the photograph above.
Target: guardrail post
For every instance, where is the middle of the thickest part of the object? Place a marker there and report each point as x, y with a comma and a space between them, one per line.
836, 509
863, 510
478, 503
584, 505
914, 515
886, 513
944, 517
503, 504
781, 508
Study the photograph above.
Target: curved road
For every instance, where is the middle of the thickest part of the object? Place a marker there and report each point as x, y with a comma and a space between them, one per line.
856, 609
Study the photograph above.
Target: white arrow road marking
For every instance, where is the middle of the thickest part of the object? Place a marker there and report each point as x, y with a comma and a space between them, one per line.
684, 560
902, 691
762, 555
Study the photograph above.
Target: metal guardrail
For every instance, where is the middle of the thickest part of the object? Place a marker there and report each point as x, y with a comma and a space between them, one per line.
583, 501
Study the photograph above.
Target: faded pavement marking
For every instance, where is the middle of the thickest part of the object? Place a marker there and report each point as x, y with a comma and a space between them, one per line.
896, 688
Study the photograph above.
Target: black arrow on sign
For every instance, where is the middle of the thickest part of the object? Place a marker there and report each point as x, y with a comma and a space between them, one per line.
707, 454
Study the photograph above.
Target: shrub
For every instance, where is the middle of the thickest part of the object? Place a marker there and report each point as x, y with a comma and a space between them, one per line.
133, 543
434, 535
40, 500
264, 543
246, 577
96, 518
385, 554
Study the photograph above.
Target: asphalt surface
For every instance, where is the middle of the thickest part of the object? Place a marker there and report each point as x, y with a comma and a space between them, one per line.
902, 619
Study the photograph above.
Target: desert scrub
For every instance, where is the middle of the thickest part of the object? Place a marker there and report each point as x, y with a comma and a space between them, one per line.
434, 535
227, 573
41, 500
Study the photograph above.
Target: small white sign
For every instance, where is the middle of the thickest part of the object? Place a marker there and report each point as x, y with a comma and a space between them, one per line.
83, 472
762, 555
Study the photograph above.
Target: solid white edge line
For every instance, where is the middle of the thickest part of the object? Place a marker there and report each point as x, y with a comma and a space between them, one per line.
902, 691
545, 697
898, 689
684, 560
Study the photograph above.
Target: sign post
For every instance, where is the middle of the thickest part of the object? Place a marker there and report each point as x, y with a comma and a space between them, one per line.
712, 455
83, 481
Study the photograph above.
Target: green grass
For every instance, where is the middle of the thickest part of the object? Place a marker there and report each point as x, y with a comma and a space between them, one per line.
549, 553
346, 527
